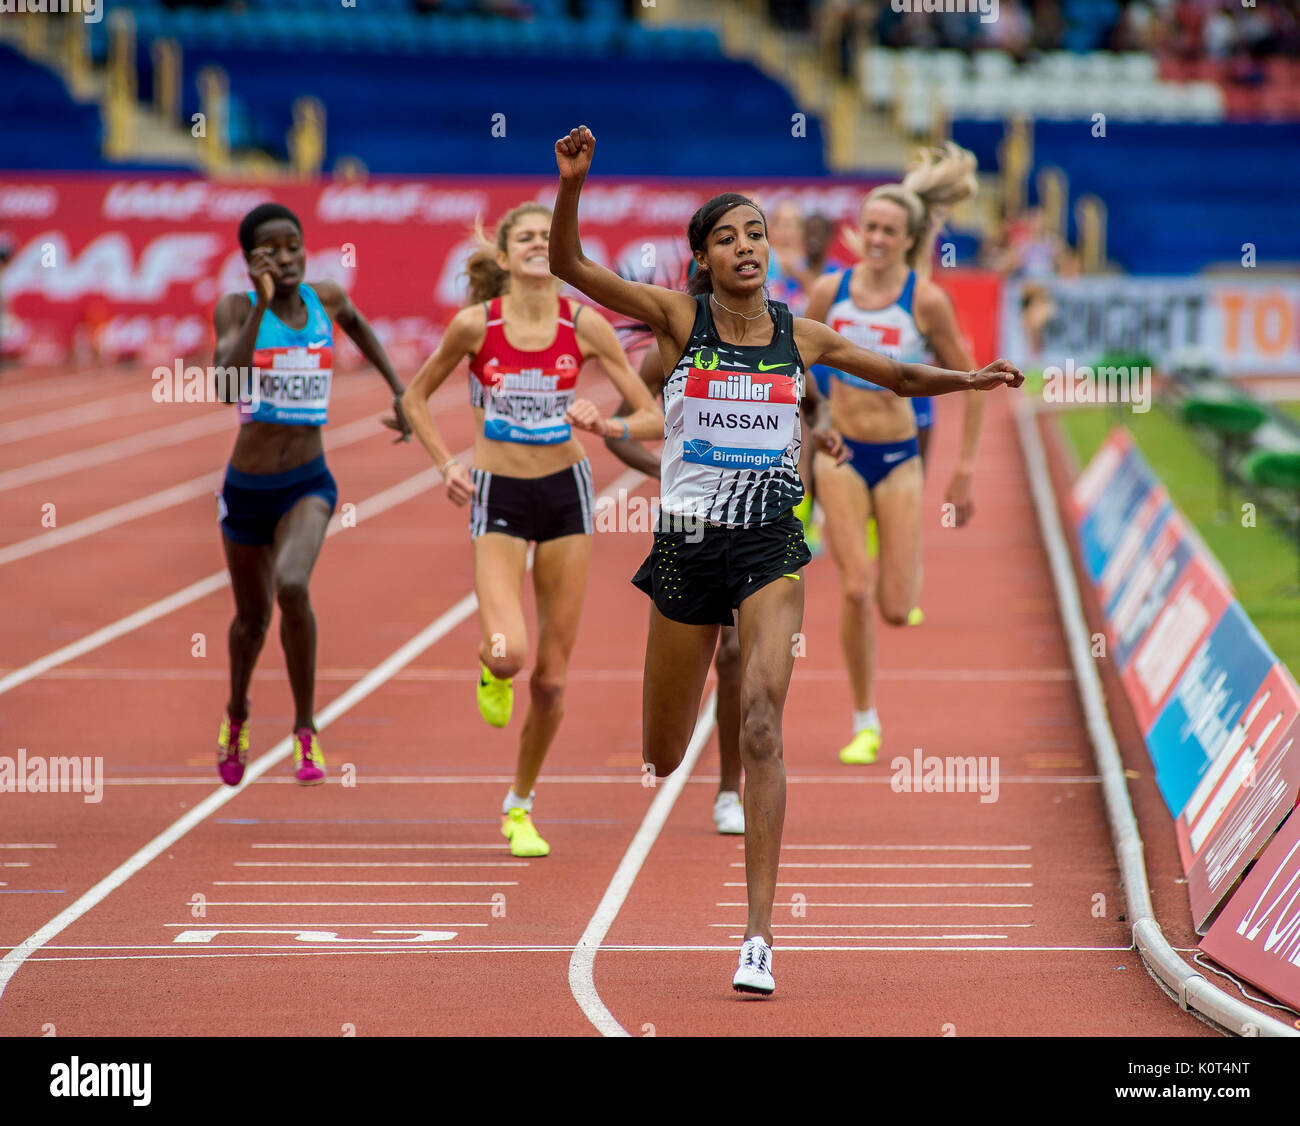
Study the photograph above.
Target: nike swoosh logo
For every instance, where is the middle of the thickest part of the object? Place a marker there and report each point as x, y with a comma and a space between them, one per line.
893, 457
764, 366
318, 344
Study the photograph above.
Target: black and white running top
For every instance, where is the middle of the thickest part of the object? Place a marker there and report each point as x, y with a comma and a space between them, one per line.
731, 424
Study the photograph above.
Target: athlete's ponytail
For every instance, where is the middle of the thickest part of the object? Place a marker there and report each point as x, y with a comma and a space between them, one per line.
486, 278
939, 179
700, 227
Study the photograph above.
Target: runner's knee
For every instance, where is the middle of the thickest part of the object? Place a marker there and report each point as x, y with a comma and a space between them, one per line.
857, 592
251, 625
894, 608
727, 660
760, 734
661, 759
503, 656
291, 592
547, 690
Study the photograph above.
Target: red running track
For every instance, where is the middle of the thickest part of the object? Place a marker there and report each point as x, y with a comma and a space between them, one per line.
393, 905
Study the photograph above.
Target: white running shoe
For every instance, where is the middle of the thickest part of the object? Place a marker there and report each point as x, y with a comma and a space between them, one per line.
754, 974
728, 813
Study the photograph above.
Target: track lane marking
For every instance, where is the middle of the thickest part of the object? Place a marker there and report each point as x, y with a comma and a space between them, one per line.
370, 507
583, 960
334, 439
337, 707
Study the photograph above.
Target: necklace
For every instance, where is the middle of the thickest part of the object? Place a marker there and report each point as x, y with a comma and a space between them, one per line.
733, 312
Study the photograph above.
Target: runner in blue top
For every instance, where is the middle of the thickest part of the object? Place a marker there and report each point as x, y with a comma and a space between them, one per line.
278, 493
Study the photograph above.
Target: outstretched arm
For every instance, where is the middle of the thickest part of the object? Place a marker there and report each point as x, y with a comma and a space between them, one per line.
818, 344
669, 313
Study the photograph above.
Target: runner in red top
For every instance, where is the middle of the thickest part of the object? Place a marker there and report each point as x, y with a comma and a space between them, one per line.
531, 481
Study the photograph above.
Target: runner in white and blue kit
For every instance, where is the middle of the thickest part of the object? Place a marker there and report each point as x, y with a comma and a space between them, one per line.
735, 364
278, 494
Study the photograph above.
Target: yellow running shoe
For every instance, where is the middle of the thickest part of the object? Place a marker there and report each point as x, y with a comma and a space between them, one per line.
496, 697
862, 751
873, 538
517, 828
914, 616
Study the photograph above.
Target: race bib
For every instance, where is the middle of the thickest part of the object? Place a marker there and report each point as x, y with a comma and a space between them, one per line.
528, 405
293, 385
738, 420
885, 339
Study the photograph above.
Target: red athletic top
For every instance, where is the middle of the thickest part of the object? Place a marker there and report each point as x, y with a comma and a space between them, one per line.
525, 394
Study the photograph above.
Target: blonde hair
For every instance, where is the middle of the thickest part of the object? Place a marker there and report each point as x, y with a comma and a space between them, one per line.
486, 278
938, 180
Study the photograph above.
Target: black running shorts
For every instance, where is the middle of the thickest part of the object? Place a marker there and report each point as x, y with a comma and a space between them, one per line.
533, 508
703, 582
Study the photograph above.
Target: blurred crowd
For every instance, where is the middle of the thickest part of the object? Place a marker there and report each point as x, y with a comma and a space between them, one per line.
1224, 30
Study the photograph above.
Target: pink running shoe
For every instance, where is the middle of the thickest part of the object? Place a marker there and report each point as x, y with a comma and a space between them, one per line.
232, 750
309, 763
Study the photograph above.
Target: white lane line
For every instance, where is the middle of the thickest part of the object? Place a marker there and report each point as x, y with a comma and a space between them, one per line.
802, 884
741, 864
84, 413
28, 846
296, 847
582, 964
939, 904
627, 779
371, 506
435, 674
907, 848
314, 924
845, 926
212, 422
340, 705
116, 450
381, 864
271, 952
894, 937
209, 483
365, 883
351, 903
60, 385
136, 509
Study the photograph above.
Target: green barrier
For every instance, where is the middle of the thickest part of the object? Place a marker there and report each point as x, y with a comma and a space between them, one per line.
1233, 418
1271, 469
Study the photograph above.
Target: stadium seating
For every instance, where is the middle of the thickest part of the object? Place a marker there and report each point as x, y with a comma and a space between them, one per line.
1179, 197
373, 77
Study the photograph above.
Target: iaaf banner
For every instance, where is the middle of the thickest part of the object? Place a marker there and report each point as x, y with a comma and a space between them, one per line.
1218, 712
1247, 326
1257, 935
133, 267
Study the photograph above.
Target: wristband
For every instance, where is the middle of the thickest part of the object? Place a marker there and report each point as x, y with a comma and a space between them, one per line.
626, 432
450, 461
